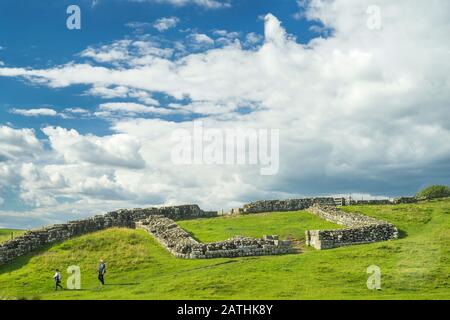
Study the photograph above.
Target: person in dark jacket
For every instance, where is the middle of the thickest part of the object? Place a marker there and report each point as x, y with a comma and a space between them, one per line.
102, 271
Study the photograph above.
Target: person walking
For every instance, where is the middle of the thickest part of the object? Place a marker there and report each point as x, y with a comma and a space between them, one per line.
102, 271
57, 277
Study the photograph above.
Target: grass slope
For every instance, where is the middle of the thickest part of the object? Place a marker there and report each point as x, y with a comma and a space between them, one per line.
414, 267
288, 225
5, 234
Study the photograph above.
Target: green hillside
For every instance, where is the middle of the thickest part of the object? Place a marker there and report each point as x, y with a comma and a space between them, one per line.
416, 266
6, 234
288, 225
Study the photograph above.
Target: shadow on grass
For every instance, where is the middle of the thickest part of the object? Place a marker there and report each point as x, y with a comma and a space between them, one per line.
20, 262
192, 235
402, 234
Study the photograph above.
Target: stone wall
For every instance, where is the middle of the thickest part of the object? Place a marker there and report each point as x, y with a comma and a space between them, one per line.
369, 202
35, 239
160, 222
360, 229
182, 245
405, 200
284, 205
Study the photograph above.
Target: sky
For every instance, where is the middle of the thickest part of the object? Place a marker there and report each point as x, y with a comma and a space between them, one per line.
357, 91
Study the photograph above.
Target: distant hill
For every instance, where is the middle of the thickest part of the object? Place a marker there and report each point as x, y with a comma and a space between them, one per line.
7, 234
416, 266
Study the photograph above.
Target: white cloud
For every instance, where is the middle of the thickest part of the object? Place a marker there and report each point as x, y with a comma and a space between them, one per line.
225, 37
18, 144
227, 34
128, 52
2, 201
122, 92
359, 111
76, 110
108, 109
139, 26
164, 24
253, 38
35, 112
109, 92
117, 150
117, 51
201, 38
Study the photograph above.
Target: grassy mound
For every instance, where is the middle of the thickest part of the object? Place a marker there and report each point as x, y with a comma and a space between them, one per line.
414, 267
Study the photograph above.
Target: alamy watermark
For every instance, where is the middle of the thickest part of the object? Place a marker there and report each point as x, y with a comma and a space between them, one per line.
73, 22
213, 146
74, 280
374, 280
374, 17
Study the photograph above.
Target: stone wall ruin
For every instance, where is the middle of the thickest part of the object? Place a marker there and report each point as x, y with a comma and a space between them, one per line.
360, 229
39, 238
160, 222
182, 245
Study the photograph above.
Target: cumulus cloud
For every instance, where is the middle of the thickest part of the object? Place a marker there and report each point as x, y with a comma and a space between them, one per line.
361, 111
201, 38
117, 150
253, 38
77, 110
128, 52
18, 144
111, 92
164, 24
35, 112
129, 108
117, 51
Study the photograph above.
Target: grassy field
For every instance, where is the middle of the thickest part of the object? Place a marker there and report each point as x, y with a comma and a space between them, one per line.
416, 266
288, 225
5, 234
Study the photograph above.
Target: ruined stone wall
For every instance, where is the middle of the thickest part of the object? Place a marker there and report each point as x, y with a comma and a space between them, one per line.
335, 215
284, 205
35, 239
405, 200
368, 202
182, 245
360, 229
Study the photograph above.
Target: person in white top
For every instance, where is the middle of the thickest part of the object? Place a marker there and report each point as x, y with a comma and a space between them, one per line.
57, 277
102, 271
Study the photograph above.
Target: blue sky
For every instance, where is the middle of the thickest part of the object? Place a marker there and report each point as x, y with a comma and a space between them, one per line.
34, 34
88, 117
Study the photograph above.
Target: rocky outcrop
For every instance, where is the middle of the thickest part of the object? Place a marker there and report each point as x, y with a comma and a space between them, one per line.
182, 245
360, 229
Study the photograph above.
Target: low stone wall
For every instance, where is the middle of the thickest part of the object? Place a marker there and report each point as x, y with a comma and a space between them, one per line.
370, 202
182, 245
405, 200
160, 222
35, 239
361, 229
284, 205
